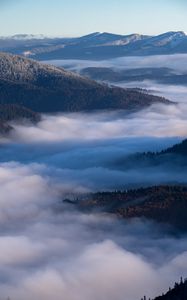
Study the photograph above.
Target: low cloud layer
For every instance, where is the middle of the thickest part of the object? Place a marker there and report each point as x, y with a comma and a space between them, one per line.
175, 61
155, 121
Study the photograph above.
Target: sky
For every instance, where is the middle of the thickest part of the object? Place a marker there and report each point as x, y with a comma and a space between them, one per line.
79, 17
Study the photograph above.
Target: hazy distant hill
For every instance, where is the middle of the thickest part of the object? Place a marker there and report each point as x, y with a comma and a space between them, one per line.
161, 75
95, 46
116, 75
170, 159
180, 149
44, 88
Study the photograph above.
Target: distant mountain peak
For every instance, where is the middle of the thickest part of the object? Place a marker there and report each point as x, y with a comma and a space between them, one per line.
173, 34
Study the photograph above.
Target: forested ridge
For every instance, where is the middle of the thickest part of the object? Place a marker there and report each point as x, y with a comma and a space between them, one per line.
45, 88
163, 204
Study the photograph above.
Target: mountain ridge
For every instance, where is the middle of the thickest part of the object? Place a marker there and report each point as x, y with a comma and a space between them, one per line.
97, 45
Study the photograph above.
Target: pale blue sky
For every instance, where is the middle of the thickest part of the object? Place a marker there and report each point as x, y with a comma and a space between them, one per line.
78, 17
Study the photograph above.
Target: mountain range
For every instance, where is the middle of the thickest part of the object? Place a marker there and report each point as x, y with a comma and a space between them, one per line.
98, 45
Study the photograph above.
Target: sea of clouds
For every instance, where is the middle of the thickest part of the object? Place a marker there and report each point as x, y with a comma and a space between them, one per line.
51, 251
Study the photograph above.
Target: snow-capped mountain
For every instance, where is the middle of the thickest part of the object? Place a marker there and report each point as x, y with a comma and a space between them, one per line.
24, 37
97, 45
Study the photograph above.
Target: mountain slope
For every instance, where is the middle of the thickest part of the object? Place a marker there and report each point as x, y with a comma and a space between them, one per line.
44, 88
